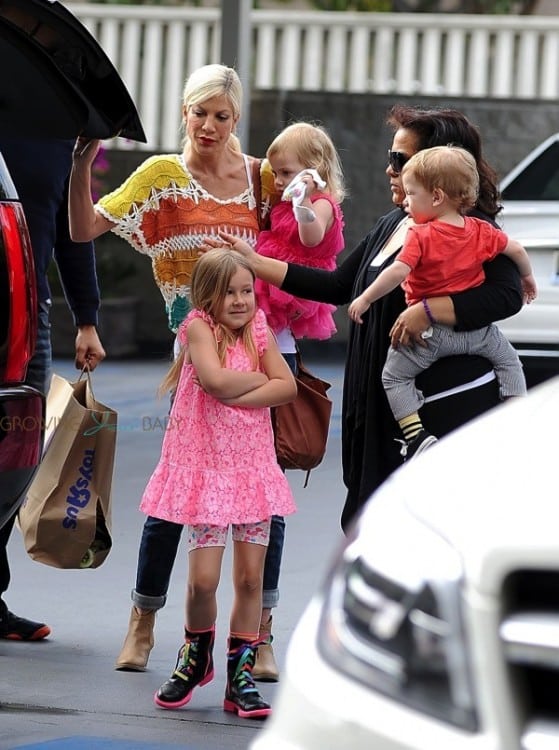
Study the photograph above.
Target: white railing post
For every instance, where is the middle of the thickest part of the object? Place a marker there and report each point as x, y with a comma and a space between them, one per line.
131, 41
150, 92
478, 64
235, 51
337, 50
503, 73
454, 62
313, 58
359, 53
289, 56
549, 87
527, 65
173, 86
383, 77
431, 62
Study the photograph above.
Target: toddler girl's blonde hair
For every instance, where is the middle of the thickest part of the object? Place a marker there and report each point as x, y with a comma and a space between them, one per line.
211, 81
452, 169
314, 149
211, 277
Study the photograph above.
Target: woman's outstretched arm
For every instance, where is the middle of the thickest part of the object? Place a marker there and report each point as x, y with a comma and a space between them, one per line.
268, 269
316, 284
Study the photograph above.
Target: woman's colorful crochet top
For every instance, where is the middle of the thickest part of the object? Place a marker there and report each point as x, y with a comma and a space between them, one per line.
163, 212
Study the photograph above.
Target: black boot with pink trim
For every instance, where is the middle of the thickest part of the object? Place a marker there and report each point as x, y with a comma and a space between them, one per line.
242, 696
194, 668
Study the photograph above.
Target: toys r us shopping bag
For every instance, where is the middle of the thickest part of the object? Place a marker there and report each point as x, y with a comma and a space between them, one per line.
65, 519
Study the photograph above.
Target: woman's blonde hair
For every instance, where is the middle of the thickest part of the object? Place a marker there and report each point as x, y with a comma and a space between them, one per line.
452, 169
211, 277
211, 81
314, 149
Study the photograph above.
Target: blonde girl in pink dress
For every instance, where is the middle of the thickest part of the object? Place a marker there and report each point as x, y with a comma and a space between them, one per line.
218, 468
306, 226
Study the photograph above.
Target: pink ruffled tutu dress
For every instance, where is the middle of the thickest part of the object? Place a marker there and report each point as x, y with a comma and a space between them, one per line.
218, 464
304, 318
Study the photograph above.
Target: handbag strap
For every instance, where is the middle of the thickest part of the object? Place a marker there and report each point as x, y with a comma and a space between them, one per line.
255, 167
299, 361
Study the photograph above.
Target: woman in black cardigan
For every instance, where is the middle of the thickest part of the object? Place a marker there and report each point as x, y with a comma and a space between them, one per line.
456, 388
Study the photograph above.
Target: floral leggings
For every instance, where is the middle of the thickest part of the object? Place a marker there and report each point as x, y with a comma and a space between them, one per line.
203, 535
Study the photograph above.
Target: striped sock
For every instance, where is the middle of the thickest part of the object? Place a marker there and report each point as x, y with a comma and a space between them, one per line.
411, 426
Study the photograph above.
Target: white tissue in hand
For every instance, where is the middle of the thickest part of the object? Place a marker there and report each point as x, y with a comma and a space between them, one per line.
295, 191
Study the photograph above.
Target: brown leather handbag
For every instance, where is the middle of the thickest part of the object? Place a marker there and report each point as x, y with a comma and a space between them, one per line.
301, 426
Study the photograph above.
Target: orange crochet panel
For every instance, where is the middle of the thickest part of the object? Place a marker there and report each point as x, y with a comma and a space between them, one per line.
181, 226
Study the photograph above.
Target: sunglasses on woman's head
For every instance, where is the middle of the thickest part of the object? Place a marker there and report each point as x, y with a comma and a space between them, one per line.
396, 160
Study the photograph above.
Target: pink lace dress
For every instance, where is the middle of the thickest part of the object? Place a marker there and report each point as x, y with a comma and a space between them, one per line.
218, 465
305, 318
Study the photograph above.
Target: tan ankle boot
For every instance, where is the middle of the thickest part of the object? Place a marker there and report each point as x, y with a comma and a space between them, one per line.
265, 668
138, 642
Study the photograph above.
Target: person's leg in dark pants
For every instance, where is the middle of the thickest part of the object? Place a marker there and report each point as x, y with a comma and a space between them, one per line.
272, 567
272, 564
5, 532
156, 557
13, 627
158, 550
265, 668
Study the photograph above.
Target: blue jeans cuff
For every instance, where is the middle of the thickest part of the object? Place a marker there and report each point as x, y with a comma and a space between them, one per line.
147, 602
270, 598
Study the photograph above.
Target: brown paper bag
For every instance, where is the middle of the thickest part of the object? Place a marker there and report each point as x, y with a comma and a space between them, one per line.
66, 517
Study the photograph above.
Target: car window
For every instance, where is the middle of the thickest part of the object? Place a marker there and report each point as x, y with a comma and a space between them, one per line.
539, 181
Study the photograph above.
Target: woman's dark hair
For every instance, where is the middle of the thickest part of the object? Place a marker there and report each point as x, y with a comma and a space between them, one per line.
443, 127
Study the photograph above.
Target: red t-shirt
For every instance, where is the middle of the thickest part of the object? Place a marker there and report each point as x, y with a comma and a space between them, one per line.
445, 259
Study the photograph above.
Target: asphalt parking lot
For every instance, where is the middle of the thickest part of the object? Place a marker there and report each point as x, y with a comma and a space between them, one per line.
63, 693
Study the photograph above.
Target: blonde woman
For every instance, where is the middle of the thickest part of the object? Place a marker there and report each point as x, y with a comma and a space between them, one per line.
165, 210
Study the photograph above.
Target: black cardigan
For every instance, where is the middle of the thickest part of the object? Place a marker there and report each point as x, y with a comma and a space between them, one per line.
370, 451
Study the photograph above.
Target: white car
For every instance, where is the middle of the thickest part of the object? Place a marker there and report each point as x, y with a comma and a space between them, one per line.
437, 625
530, 195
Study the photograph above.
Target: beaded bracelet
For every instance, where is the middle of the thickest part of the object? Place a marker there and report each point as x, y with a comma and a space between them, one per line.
428, 311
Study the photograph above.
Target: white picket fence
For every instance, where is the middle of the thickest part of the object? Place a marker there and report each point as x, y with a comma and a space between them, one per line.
156, 47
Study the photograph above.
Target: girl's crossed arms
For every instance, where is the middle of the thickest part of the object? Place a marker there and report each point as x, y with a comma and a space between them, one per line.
271, 385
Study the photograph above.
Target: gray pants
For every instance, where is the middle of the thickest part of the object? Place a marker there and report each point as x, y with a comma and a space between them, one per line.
404, 363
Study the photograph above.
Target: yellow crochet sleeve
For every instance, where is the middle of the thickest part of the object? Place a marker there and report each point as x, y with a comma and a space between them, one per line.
155, 175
